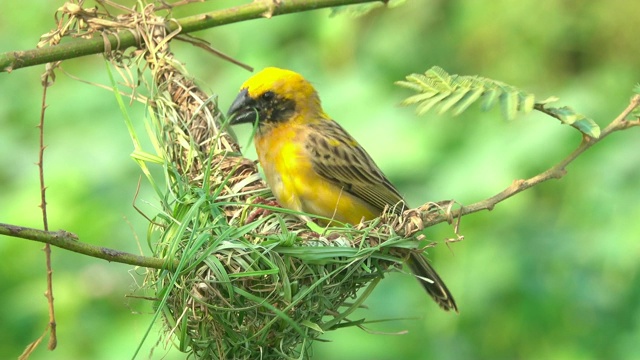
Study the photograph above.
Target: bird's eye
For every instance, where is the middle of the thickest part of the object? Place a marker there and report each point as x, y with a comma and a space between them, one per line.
268, 96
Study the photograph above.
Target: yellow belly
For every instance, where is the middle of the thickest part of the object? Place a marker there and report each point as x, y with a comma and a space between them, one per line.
290, 175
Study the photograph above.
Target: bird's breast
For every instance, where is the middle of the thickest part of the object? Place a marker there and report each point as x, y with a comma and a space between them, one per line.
285, 164
288, 169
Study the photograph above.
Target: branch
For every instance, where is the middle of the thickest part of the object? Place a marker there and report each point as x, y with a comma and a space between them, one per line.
555, 172
122, 40
68, 241
53, 339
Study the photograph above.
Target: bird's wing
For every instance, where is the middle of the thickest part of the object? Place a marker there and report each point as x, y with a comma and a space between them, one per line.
336, 156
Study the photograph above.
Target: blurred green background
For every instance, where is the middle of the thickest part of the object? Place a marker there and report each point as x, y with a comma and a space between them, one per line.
552, 273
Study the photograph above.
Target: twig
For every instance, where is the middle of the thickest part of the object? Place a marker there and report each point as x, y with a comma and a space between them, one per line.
555, 172
47, 79
122, 40
53, 339
68, 241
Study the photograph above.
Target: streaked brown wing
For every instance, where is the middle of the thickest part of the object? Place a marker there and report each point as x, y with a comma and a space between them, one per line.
337, 157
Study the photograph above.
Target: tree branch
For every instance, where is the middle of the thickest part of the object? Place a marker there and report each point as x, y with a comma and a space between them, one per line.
414, 221
124, 39
68, 241
53, 339
557, 171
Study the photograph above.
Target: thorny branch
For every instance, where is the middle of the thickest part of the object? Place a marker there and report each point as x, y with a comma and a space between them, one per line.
52, 325
557, 171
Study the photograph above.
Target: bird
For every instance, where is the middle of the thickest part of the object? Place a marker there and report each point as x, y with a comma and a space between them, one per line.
314, 166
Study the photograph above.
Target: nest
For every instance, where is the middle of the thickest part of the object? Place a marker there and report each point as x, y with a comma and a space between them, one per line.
251, 280
242, 295
244, 279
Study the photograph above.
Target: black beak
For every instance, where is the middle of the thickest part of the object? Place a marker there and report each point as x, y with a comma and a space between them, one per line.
243, 109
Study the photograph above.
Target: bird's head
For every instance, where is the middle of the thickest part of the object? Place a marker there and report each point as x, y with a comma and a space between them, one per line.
273, 95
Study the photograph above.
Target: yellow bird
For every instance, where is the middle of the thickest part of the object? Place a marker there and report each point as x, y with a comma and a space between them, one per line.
314, 166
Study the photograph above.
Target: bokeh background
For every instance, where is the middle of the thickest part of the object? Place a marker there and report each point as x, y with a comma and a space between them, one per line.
552, 273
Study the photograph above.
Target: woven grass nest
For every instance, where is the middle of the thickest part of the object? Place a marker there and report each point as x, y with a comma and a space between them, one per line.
251, 280
244, 279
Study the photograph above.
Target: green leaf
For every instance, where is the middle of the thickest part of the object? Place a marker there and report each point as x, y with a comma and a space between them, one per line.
588, 127
565, 114
438, 75
548, 100
139, 154
312, 325
452, 100
409, 85
425, 83
438, 89
418, 98
527, 102
430, 103
489, 99
469, 98
509, 105
568, 116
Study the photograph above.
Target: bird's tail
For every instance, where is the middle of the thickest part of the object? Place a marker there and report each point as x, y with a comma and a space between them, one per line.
431, 282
